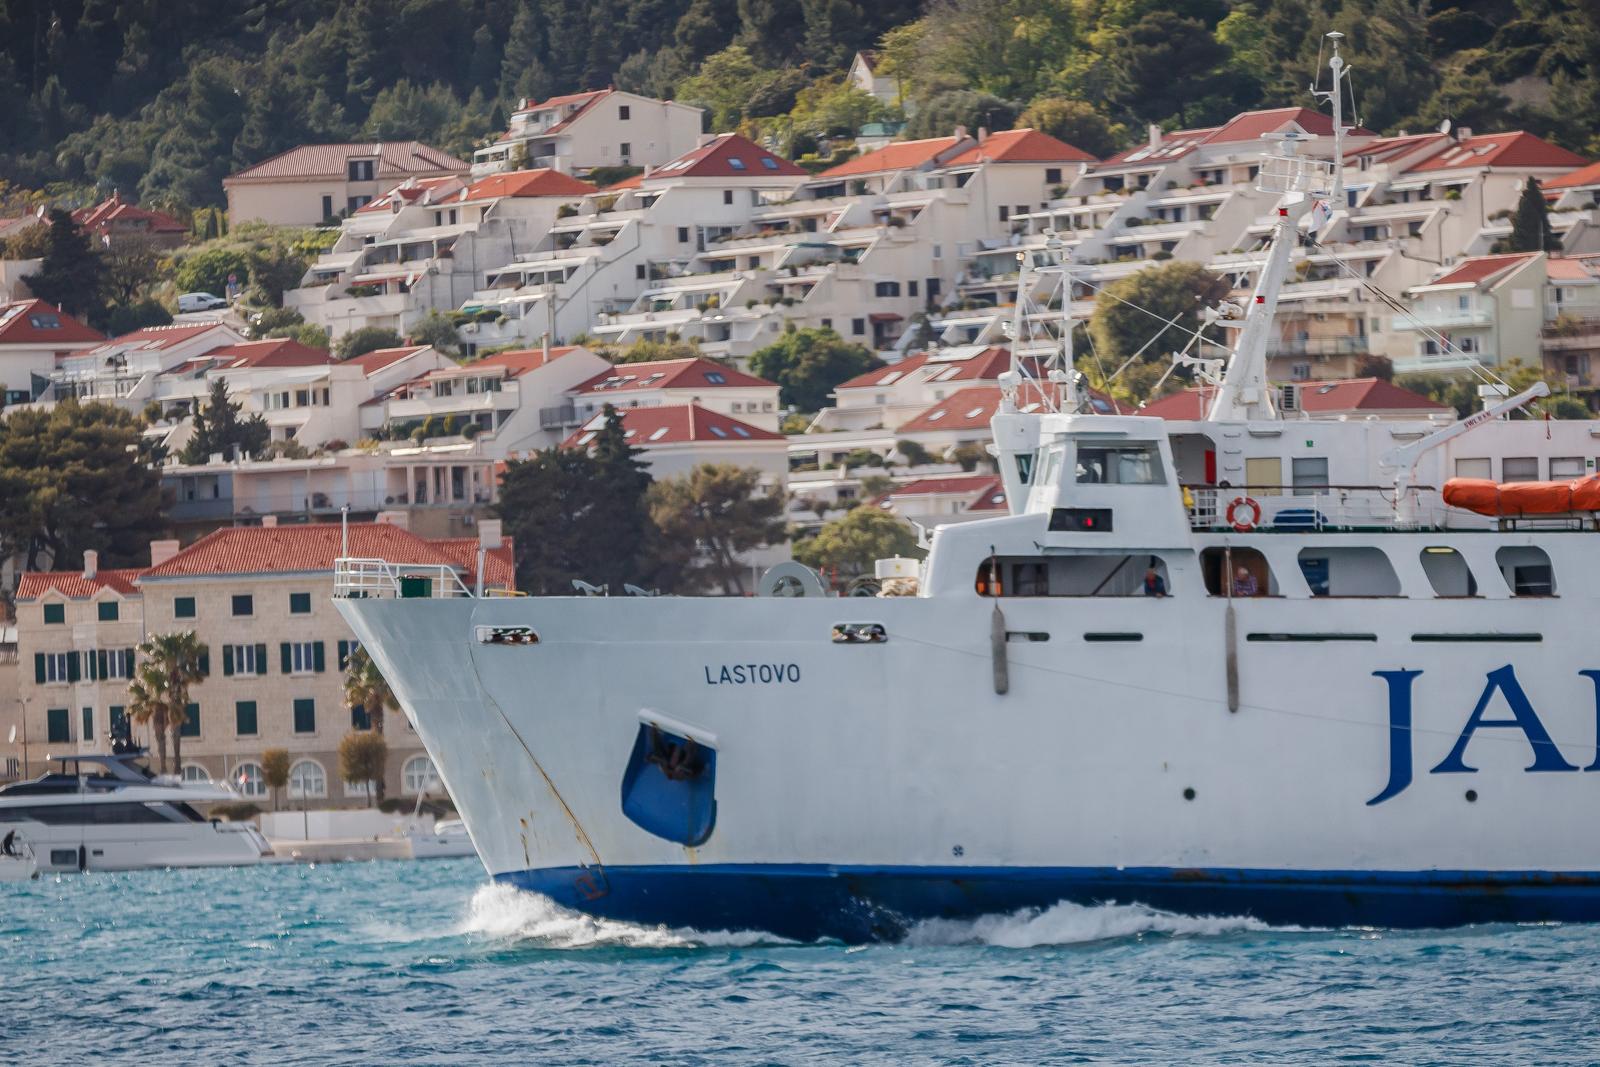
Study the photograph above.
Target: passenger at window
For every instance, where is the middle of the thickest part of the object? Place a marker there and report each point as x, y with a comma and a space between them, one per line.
1154, 584
1244, 583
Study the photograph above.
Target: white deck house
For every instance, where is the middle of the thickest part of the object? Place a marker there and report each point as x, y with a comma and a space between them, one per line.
604, 128
427, 246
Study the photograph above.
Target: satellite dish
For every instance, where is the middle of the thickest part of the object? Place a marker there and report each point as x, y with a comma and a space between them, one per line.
1445, 125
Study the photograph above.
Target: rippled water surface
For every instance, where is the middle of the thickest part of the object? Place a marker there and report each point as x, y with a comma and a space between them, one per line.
423, 962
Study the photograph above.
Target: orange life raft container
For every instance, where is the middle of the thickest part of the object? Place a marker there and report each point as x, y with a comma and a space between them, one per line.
1513, 499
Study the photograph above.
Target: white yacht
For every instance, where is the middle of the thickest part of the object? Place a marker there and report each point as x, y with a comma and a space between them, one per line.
108, 813
1175, 674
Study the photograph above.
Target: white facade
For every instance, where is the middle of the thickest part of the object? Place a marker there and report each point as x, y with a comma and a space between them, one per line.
607, 128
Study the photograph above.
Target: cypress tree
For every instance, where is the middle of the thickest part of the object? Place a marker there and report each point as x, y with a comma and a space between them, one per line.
1530, 227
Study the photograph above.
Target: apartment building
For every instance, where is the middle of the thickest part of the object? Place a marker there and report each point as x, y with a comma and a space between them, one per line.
260, 599
604, 128
313, 184
672, 382
126, 369
517, 401
34, 337
114, 221
608, 255
427, 245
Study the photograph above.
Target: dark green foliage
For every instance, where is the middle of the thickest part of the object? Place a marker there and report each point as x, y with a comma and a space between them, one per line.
73, 478
125, 318
941, 114
438, 331
1530, 226
808, 363
72, 275
367, 339
579, 513
218, 429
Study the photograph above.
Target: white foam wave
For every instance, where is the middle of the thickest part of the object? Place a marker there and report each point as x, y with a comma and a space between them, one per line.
1072, 924
504, 913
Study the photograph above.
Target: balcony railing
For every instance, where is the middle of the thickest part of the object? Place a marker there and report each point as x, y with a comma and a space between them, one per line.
565, 417
1319, 346
1442, 319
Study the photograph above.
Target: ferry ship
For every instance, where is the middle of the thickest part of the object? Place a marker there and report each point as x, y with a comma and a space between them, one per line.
1241, 665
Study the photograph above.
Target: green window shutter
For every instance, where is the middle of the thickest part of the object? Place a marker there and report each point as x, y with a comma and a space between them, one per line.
55, 613
89, 664
104, 657
108, 611
74, 672
300, 603
183, 607
305, 716
88, 724
244, 716
58, 729
344, 655
38, 667
261, 659
287, 657
227, 661
191, 721
128, 669
205, 662
319, 663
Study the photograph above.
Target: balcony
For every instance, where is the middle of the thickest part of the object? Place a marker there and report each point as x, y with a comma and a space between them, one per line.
1432, 319
565, 417
1319, 346
1443, 361
1570, 332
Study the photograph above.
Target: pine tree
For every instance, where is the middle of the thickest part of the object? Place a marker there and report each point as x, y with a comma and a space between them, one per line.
218, 429
71, 275
1530, 227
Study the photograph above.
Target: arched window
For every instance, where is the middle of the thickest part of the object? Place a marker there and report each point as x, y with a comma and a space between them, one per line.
194, 772
308, 779
250, 780
419, 775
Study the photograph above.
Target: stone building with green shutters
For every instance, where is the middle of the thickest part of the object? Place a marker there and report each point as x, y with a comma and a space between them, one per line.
260, 599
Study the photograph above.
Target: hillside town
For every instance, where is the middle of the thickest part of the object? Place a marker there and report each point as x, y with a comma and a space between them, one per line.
825, 340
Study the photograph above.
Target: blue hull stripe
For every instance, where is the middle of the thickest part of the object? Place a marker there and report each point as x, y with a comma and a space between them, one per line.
853, 904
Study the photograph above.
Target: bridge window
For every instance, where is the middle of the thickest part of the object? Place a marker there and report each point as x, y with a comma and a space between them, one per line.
1237, 572
1109, 574
1123, 464
1448, 572
1527, 570
1348, 572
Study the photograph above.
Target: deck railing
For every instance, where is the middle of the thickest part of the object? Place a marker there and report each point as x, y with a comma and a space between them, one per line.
361, 578
1318, 508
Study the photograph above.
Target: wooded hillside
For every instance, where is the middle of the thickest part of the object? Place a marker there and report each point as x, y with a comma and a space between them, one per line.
165, 97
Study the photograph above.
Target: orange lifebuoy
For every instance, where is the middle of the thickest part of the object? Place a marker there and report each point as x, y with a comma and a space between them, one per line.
1239, 523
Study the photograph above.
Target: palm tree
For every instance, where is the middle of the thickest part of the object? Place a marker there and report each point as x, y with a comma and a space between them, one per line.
147, 704
365, 687
175, 659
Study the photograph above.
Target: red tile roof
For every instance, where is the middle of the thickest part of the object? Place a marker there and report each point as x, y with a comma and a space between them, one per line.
1021, 146
728, 156
1482, 268
115, 210
584, 99
958, 484
379, 358
1362, 394
895, 371
541, 182
626, 183
500, 565
1578, 179
294, 550
273, 352
1383, 149
154, 338
1515, 148
985, 366
74, 586
691, 373
33, 322
990, 498
413, 190
675, 424
898, 155
1571, 268
329, 161
1245, 126
1368, 395
522, 360
972, 408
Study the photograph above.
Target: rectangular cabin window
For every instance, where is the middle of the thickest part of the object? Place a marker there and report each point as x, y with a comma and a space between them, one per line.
1310, 474
1122, 464
1098, 574
1474, 468
1519, 469
1563, 468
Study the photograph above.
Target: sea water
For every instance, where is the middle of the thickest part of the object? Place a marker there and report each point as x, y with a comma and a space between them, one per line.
426, 963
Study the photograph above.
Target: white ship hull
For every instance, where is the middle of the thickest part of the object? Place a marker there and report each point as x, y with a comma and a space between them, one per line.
861, 786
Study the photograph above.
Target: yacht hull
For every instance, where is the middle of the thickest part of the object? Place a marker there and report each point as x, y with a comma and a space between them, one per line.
1368, 776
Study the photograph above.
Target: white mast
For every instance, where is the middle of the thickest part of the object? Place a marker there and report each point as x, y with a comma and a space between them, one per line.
1244, 394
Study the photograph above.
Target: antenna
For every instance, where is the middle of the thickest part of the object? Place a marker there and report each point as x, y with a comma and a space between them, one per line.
1335, 95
